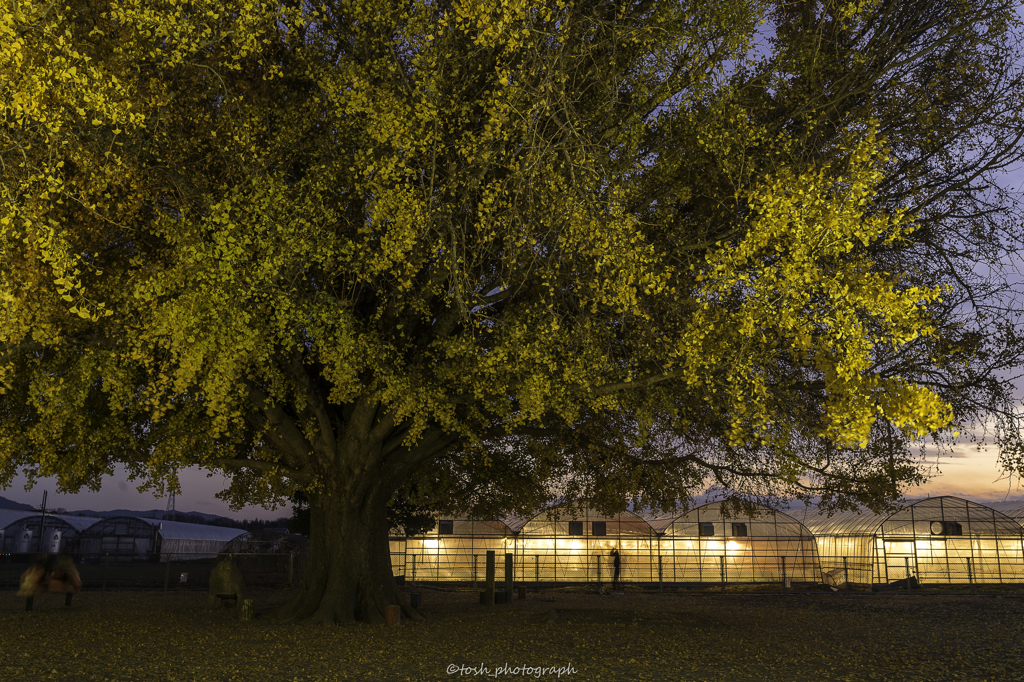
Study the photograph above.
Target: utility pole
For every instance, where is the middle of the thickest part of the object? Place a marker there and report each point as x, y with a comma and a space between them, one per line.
170, 498
42, 520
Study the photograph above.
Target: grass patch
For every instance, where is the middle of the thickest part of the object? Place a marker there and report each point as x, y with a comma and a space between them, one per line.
684, 635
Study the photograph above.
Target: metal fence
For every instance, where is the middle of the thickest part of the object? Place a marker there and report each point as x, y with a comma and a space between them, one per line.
164, 571
643, 568
190, 571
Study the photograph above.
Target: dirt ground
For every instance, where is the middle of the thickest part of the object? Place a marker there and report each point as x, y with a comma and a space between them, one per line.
676, 635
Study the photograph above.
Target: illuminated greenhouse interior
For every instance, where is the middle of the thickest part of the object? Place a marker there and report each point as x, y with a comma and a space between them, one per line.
936, 540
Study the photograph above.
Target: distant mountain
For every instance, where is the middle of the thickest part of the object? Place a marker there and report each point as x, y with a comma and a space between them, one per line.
11, 504
151, 514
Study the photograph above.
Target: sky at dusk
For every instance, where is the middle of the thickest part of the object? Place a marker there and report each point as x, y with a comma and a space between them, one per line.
969, 473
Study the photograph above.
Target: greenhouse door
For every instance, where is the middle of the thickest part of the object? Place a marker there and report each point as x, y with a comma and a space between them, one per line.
900, 561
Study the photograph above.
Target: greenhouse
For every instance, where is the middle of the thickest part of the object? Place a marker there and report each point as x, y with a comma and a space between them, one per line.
129, 538
456, 549
268, 556
24, 532
935, 540
556, 546
713, 543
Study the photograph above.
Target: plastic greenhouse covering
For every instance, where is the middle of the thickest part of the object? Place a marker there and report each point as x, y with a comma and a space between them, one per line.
938, 540
134, 538
25, 532
713, 543
935, 540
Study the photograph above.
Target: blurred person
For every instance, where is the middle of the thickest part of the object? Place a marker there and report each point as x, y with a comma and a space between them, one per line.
34, 580
616, 562
65, 578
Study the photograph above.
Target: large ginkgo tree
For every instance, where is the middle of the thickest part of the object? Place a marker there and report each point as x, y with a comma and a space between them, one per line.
475, 254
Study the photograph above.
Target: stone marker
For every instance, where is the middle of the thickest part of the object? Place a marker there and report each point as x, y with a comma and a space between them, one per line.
226, 582
247, 609
392, 614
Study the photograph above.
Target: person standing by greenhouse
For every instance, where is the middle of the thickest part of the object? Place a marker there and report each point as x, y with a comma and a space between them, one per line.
616, 562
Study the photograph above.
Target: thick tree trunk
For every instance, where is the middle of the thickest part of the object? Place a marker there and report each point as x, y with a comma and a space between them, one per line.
348, 573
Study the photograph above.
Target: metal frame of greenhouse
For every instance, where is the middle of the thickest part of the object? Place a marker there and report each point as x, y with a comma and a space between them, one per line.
713, 544
20, 531
131, 538
944, 540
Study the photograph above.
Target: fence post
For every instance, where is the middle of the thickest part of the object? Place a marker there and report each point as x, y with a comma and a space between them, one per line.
489, 593
167, 574
106, 558
475, 557
661, 587
412, 579
508, 578
785, 585
906, 569
846, 574
970, 574
536, 568
291, 570
721, 570
598, 557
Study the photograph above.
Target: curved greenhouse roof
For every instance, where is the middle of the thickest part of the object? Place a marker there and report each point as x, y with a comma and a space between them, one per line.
1012, 508
12, 517
858, 522
550, 522
914, 519
765, 522
179, 530
9, 516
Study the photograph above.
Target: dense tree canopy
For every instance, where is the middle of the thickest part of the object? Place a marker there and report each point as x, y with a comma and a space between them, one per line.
477, 253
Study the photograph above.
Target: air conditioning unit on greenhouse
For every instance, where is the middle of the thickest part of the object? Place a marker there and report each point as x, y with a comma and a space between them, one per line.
946, 528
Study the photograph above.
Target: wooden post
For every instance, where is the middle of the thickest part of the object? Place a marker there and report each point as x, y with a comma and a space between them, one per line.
522, 592
508, 578
785, 584
475, 557
598, 557
721, 570
291, 570
661, 586
412, 580
489, 588
906, 569
536, 568
970, 574
247, 609
846, 574
392, 614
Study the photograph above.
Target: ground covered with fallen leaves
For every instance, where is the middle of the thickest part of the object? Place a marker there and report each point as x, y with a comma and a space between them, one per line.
675, 635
